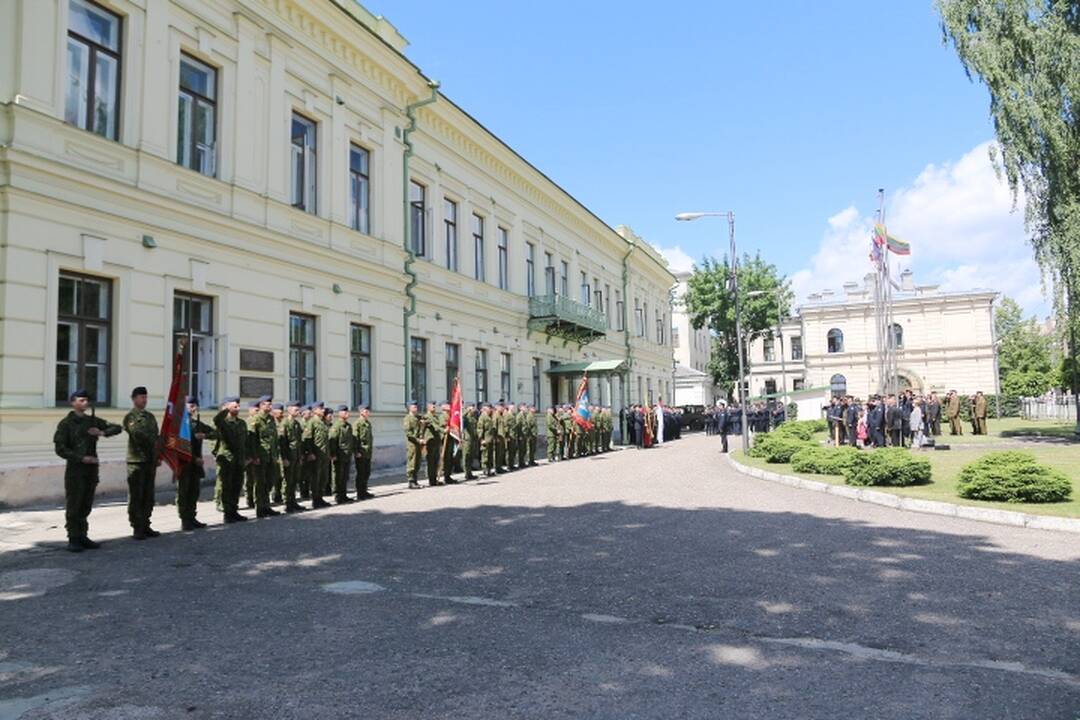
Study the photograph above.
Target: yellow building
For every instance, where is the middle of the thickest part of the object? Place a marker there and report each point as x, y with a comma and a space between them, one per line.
234, 173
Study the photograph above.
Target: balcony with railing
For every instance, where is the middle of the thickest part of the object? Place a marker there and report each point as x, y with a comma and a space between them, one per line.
559, 316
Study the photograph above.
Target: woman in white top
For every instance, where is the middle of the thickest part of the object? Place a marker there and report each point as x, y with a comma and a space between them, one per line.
917, 425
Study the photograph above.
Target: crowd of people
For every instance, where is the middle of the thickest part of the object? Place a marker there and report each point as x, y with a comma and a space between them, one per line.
649, 425
907, 419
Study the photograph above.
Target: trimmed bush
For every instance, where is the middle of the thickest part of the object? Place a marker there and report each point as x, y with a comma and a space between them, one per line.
801, 429
776, 447
1012, 476
824, 460
887, 466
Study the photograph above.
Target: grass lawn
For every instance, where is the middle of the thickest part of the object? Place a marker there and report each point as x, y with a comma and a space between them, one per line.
946, 466
1011, 429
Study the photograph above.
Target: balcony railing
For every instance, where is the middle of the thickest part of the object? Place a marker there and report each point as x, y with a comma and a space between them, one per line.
559, 316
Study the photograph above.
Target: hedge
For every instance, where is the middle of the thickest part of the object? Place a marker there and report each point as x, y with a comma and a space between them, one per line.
887, 466
1012, 476
776, 447
824, 460
802, 429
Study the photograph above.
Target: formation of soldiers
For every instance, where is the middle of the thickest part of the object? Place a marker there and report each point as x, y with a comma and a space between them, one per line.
283, 454
279, 454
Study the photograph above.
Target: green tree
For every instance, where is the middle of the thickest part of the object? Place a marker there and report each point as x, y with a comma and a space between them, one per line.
1027, 53
710, 303
1025, 353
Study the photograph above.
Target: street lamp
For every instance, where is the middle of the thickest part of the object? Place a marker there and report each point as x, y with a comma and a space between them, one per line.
779, 334
730, 215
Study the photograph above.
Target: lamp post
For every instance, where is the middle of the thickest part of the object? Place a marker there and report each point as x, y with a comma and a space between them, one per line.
734, 288
779, 334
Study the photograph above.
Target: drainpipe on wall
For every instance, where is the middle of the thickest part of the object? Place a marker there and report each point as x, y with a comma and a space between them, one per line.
626, 334
410, 258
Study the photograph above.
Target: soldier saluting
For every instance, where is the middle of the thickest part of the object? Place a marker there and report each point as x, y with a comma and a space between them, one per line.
75, 440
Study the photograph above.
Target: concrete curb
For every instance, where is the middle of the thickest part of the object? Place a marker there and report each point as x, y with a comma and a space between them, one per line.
932, 507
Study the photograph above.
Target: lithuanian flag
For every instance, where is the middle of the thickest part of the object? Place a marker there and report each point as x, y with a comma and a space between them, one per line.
883, 239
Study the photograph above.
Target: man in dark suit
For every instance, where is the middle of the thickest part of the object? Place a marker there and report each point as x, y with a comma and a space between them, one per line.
933, 414
893, 421
721, 420
851, 420
639, 426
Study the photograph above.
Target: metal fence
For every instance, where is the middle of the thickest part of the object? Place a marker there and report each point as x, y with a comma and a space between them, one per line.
1056, 407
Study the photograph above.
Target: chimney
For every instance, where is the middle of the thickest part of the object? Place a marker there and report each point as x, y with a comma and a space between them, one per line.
907, 282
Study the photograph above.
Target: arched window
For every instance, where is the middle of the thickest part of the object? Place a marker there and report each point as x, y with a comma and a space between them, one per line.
838, 383
898, 335
836, 341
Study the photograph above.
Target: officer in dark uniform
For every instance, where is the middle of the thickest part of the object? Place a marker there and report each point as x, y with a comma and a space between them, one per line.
75, 440
721, 424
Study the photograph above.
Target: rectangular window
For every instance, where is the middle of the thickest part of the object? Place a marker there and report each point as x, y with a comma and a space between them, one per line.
481, 376
796, 347
598, 295
769, 349
478, 248
674, 337
302, 357
360, 364
585, 291
193, 323
197, 122
453, 367
607, 304
92, 96
83, 338
549, 274
639, 319
797, 384
450, 223
659, 328
504, 259
537, 371
504, 376
530, 270
417, 213
418, 350
305, 169
620, 311
564, 279
360, 189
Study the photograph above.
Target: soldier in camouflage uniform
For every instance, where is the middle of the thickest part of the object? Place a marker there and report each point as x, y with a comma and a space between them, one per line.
501, 427
530, 433
230, 451
485, 430
413, 426
142, 462
302, 483
522, 435
75, 440
265, 457
553, 429
192, 473
569, 434
511, 437
290, 447
277, 479
365, 449
342, 454
316, 444
432, 444
468, 440
252, 454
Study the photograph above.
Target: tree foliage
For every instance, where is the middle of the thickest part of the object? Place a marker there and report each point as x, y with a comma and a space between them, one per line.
1027, 53
710, 303
1026, 355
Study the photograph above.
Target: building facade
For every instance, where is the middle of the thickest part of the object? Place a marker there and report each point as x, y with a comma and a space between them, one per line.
693, 383
274, 187
945, 341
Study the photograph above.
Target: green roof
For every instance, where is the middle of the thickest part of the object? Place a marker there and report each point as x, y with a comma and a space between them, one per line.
596, 367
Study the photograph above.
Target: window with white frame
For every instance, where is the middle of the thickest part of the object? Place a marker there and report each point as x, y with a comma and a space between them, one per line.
450, 234
83, 338
417, 215
197, 116
479, 271
504, 258
92, 95
304, 163
359, 189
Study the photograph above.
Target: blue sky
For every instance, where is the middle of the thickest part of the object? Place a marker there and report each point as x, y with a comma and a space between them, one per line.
791, 113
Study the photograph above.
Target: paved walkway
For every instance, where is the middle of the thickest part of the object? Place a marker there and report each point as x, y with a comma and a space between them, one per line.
639, 584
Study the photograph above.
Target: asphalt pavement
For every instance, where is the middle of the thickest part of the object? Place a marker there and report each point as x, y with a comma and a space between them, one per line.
637, 584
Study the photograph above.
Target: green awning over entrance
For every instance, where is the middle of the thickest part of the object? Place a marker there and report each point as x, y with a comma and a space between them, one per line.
596, 367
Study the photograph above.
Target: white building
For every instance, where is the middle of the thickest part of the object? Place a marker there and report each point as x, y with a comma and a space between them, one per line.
693, 383
233, 173
945, 342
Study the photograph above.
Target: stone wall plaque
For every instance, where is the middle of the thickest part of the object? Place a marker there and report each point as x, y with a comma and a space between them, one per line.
253, 387
256, 360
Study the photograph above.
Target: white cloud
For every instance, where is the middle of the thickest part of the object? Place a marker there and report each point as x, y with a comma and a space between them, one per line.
677, 259
958, 217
